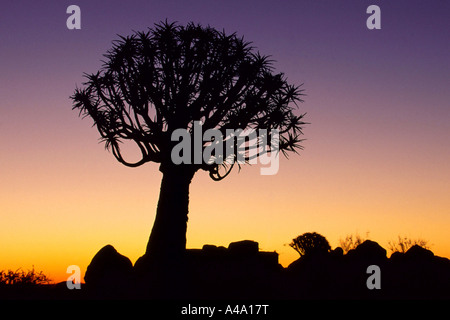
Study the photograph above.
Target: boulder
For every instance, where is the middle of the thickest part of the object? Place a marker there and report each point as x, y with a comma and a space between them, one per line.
108, 266
368, 251
210, 249
417, 252
397, 256
243, 248
337, 252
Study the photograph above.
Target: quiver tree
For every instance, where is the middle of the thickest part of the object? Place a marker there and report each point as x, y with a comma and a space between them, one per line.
153, 83
310, 243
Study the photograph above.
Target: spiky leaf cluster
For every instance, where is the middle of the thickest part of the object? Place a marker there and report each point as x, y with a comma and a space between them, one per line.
155, 82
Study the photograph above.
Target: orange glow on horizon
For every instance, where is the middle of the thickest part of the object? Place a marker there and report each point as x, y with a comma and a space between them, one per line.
376, 155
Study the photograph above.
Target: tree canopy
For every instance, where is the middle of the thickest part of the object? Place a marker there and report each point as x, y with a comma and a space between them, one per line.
310, 243
155, 82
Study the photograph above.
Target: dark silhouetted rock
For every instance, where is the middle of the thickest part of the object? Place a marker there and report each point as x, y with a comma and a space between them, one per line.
397, 256
241, 271
244, 248
418, 274
418, 252
368, 251
337, 253
214, 250
108, 267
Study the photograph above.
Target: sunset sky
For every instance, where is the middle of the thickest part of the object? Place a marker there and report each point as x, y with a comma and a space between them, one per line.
376, 157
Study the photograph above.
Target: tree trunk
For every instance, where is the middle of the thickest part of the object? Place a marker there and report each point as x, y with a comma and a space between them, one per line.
167, 242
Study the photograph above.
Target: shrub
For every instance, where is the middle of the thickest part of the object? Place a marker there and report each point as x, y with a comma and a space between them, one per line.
404, 243
20, 277
351, 242
310, 243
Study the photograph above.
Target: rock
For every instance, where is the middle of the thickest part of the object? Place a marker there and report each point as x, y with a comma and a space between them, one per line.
337, 253
213, 251
108, 266
416, 252
207, 247
397, 256
368, 251
243, 248
210, 248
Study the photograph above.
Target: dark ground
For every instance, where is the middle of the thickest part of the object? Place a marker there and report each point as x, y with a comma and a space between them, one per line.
241, 272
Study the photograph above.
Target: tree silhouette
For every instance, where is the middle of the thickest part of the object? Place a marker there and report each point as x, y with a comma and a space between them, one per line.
310, 243
155, 82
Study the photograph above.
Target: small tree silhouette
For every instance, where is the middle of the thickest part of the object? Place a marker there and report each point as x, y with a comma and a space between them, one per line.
310, 243
352, 241
404, 243
153, 83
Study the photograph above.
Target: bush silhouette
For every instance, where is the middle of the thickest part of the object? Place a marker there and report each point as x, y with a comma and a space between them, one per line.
310, 243
352, 242
403, 244
20, 277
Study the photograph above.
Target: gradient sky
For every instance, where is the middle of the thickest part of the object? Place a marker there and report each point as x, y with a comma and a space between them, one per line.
376, 157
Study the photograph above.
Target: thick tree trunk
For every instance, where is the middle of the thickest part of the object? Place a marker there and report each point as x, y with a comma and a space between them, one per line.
167, 242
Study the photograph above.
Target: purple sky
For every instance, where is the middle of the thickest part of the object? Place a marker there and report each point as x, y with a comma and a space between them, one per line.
378, 102
324, 44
